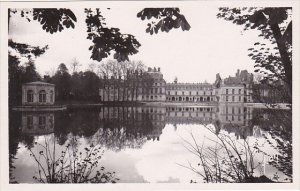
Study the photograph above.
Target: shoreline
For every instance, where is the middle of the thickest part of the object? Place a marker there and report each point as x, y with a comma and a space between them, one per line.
62, 107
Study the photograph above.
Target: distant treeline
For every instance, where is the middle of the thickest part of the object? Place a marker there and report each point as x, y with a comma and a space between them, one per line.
78, 86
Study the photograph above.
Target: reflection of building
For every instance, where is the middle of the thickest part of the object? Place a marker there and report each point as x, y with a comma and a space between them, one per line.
235, 118
190, 92
143, 120
37, 123
190, 115
38, 93
234, 114
150, 86
150, 120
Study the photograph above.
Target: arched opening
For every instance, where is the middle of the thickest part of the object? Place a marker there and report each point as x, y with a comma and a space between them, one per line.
180, 98
42, 96
187, 99
201, 99
173, 98
29, 96
208, 98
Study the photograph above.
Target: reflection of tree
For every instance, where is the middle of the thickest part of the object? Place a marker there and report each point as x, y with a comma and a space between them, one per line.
121, 127
278, 123
124, 127
14, 138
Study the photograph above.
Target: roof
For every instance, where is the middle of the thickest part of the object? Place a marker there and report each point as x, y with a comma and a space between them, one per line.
39, 83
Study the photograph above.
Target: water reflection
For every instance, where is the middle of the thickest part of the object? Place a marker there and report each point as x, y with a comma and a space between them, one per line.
145, 138
34, 123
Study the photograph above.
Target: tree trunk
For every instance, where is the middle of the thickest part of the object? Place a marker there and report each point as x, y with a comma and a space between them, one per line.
287, 63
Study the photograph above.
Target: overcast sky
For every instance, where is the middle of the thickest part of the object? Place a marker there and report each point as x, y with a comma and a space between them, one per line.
211, 46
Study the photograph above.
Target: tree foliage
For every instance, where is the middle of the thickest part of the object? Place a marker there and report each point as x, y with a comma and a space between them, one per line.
105, 40
275, 25
26, 50
52, 20
164, 19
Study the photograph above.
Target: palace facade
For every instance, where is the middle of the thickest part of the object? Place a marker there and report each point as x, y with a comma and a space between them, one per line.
151, 87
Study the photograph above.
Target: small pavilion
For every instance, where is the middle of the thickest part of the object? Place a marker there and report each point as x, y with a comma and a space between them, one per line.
38, 93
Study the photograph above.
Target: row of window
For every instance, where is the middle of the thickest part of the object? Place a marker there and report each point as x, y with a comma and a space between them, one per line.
41, 121
143, 90
199, 99
233, 98
189, 109
190, 114
189, 88
234, 92
42, 96
190, 93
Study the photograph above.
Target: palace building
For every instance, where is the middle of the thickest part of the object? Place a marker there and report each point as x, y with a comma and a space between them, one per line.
190, 92
237, 89
151, 87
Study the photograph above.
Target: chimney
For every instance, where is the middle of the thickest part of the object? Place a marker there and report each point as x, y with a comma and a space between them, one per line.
158, 69
237, 73
149, 69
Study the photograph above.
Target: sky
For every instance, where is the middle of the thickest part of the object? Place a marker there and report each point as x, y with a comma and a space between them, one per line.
211, 46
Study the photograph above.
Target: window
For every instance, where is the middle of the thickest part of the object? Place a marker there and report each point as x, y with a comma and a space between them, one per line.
168, 92
240, 98
232, 110
160, 90
232, 91
42, 122
240, 91
226, 98
233, 98
226, 91
29, 122
42, 96
197, 93
182, 93
52, 96
176, 93
204, 93
155, 90
190, 93
29, 96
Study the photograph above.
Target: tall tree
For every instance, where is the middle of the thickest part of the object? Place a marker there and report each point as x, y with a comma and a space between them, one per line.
275, 25
62, 81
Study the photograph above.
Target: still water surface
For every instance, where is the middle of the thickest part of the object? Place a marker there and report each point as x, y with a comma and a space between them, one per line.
144, 144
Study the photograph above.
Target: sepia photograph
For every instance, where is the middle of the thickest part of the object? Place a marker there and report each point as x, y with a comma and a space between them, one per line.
183, 93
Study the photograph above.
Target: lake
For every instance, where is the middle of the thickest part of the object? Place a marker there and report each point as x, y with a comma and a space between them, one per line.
157, 144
